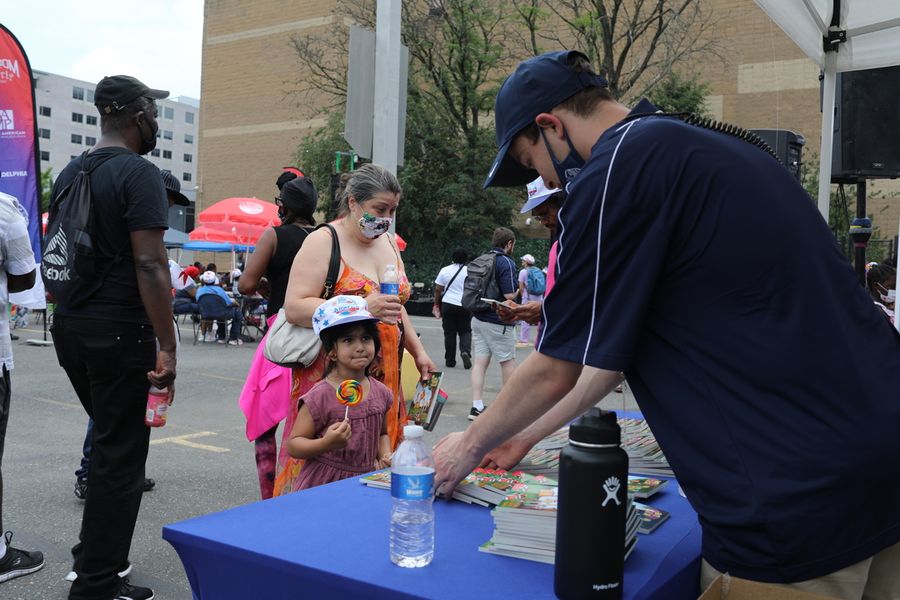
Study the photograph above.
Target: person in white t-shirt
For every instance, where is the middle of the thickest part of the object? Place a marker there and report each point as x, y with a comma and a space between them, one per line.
16, 275
455, 320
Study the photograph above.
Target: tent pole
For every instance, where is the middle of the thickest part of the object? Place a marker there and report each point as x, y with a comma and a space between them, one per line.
825, 149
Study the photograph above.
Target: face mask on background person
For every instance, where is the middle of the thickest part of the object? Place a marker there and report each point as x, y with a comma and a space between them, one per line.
147, 146
372, 226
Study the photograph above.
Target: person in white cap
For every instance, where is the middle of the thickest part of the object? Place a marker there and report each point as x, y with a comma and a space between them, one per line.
531, 289
230, 311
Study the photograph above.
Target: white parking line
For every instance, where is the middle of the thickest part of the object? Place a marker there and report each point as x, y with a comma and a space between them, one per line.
184, 440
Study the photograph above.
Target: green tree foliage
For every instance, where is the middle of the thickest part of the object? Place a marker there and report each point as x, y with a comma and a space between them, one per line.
679, 94
459, 52
46, 188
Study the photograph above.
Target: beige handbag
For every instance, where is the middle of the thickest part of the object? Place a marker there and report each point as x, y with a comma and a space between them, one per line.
290, 345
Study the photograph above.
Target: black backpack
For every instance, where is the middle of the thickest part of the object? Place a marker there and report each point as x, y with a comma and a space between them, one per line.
481, 282
69, 261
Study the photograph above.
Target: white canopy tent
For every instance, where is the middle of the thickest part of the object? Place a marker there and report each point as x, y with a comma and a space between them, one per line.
839, 35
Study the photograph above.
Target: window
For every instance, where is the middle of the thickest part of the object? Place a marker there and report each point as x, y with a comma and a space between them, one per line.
90, 120
188, 138
167, 154
188, 117
89, 141
155, 152
45, 134
158, 133
90, 96
188, 158
44, 111
45, 155
77, 118
185, 176
76, 139
78, 93
167, 135
168, 112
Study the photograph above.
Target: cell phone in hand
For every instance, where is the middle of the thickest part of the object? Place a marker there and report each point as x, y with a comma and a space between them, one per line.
491, 301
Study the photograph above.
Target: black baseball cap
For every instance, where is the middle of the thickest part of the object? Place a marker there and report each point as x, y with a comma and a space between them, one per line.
116, 92
537, 85
173, 188
300, 197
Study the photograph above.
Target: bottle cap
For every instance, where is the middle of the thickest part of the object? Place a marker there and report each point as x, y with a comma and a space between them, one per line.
412, 431
596, 426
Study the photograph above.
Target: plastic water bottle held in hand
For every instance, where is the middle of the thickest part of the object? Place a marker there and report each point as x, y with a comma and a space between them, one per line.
390, 281
157, 407
412, 493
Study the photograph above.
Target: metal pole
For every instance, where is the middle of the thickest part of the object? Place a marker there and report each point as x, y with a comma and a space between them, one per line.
387, 84
825, 149
861, 247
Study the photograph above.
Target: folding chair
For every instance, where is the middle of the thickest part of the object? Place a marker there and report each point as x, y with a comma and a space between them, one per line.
212, 309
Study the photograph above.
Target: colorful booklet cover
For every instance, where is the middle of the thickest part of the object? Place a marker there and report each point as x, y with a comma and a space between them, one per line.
650, 518
424, 407
644, 487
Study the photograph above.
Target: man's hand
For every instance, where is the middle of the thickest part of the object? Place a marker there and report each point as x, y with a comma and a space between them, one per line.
530, 312
164, 374
508, 454
452, 463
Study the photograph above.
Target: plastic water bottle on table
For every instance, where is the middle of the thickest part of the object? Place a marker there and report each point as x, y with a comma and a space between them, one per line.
412, 494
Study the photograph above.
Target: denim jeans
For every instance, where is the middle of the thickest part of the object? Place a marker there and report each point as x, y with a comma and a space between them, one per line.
107, 363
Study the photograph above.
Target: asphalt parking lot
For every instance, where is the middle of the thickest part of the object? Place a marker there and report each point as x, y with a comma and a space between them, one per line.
201, 460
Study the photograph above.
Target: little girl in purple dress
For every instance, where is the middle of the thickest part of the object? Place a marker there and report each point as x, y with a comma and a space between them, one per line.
335, 447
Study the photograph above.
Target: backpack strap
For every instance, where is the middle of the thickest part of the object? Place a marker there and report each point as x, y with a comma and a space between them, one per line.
452, 279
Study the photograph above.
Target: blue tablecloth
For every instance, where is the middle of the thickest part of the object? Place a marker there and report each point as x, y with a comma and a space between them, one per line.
332, 542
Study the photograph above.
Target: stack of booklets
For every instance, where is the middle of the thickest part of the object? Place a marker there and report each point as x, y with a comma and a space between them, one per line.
485, 487
644, 487
525, 526
427, 402
644, 454
649, 518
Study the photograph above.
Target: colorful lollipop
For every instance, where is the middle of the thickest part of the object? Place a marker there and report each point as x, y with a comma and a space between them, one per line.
349, 393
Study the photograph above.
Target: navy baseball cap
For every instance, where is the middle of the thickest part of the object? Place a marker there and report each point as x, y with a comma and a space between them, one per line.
536, 86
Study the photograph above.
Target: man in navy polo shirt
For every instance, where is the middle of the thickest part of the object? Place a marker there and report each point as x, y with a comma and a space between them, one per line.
490, 336
692, 261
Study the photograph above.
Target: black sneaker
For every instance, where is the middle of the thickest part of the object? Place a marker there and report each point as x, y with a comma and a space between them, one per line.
467, 359
16, 563
133, 592
450, 364
475, 413
81, 489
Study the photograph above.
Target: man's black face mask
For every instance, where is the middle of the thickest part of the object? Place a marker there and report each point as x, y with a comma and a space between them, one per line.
147, 145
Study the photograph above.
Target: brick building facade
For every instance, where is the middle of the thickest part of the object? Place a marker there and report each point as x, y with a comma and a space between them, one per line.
251, 125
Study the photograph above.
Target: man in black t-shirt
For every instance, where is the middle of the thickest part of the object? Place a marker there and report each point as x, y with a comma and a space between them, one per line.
107, 344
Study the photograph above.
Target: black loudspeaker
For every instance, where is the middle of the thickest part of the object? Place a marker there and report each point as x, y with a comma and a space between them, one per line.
866, 125
787, 146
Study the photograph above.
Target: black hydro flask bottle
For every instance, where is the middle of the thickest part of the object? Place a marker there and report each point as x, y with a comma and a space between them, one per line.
590, 524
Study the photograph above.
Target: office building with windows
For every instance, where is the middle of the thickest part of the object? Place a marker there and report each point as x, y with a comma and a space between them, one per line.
68, 124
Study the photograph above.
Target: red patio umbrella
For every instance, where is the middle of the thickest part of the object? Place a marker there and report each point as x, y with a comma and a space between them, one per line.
235, 221
251, 211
